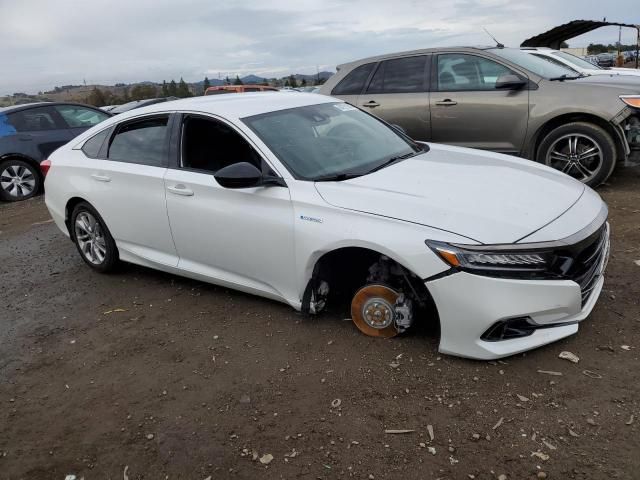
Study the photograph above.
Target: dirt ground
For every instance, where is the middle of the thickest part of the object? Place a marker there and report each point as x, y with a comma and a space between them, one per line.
142, 374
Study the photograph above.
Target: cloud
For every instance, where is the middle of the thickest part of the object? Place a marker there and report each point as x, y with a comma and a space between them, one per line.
47, 43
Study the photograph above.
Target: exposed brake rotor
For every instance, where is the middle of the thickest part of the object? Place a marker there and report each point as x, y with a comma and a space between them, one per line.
373, 311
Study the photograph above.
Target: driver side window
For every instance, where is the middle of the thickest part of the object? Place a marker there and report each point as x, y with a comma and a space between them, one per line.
461, 72
209, 145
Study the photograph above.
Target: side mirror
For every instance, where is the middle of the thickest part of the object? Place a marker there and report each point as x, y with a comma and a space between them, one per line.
510, 82
239, 175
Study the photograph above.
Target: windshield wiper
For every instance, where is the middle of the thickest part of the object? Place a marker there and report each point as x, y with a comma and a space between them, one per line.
338, 177
393, 160
565, 77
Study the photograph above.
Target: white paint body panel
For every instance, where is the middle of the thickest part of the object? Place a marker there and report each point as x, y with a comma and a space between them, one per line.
267, 240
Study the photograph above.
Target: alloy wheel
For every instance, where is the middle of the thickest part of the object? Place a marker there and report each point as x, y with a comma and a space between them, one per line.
17, 180
577, 155
90, 238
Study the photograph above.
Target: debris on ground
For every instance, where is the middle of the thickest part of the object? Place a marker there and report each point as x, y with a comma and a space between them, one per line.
550, 372
336, 403
430, 431
124, 473
266, 459
542, 456
393, 432
572, 357
591, 374
630, 421
431, 450
497, 425
522, 398
115, 310
625, 347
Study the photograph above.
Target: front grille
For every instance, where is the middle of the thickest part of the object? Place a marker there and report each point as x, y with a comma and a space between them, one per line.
589, 264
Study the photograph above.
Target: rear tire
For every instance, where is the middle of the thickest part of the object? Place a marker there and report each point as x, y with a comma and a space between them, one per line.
93, 239
582, 150
19, 180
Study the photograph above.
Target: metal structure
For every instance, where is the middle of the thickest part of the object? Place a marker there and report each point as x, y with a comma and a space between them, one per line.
553, 38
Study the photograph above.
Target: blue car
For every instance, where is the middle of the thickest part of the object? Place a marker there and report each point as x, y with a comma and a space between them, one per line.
29, 134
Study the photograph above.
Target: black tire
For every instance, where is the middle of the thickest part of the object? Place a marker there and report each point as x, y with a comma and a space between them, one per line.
102, 253
19, 180
588, 136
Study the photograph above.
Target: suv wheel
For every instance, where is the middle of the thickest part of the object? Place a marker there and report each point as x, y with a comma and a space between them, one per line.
582, 150
92, 238
19, 180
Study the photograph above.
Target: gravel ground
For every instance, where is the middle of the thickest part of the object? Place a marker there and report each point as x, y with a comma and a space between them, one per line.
142, 374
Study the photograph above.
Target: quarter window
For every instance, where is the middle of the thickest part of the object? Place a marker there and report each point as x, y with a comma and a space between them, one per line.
354, 82
468, 72
400, 75
80, 116
210, 145
91, 147
142, 141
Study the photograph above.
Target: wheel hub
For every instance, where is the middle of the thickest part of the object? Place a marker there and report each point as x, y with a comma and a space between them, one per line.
17, 181
373, 311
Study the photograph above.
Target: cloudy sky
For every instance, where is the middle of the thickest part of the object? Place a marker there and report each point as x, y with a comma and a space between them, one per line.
44, 43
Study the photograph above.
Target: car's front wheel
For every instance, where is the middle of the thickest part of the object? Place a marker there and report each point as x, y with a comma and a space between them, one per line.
93, 239
19, 180
582, 150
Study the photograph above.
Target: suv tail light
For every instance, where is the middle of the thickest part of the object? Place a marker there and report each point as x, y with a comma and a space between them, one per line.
45, 165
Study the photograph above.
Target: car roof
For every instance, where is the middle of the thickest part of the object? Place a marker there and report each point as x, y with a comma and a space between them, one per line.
234, 107
26, 106
423, 51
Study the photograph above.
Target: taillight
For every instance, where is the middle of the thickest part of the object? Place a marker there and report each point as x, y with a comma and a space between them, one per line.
45, 165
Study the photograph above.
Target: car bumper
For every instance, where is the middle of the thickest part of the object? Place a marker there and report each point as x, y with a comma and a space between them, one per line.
469, 305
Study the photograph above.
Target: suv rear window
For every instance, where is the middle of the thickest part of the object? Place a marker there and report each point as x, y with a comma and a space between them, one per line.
354, 82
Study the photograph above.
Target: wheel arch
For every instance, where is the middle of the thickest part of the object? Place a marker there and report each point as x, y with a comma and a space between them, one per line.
352, 261
68, 210
563, 119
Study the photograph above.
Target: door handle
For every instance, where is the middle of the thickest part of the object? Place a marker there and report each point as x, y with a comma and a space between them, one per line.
180, 190
371, 104
447, 102
100, 178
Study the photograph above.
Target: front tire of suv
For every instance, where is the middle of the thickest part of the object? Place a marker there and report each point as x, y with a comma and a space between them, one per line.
582, 150
19, 180
93, 239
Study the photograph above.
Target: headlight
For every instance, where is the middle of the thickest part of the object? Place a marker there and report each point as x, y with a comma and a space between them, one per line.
508, 261
631, 100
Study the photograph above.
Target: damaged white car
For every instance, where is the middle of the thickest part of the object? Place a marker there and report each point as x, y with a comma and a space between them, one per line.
307, 200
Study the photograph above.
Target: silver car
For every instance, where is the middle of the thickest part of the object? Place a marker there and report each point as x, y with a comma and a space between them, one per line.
499, 99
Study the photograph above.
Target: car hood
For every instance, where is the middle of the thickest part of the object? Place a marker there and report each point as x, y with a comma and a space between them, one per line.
624, 83
486, 197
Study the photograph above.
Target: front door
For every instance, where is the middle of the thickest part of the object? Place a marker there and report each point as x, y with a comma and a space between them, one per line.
242, 238
398, 93
467, 110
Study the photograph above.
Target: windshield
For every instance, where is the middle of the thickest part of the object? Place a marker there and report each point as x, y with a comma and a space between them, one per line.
532, 63
577, 61
320, 142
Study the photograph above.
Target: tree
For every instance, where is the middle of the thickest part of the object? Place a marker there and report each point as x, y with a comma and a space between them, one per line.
165, 89
265, 82
237, 81
206, 84
142, 92
173, 89
303, 83
227, 81
183, 89
292, 81
96, 98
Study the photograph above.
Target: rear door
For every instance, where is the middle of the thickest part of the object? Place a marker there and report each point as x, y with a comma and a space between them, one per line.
399, 94
39, 131
467, 110
124, 176
352, 85
79, 118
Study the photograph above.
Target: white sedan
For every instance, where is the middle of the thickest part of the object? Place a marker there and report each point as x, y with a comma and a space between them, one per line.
577, 64
307, 200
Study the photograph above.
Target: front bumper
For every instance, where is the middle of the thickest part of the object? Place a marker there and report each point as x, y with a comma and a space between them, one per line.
468, 305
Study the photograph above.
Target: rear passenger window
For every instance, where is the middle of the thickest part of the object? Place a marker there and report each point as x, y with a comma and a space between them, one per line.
91, 147
354, 82
400, 75
142, 141
34, 120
